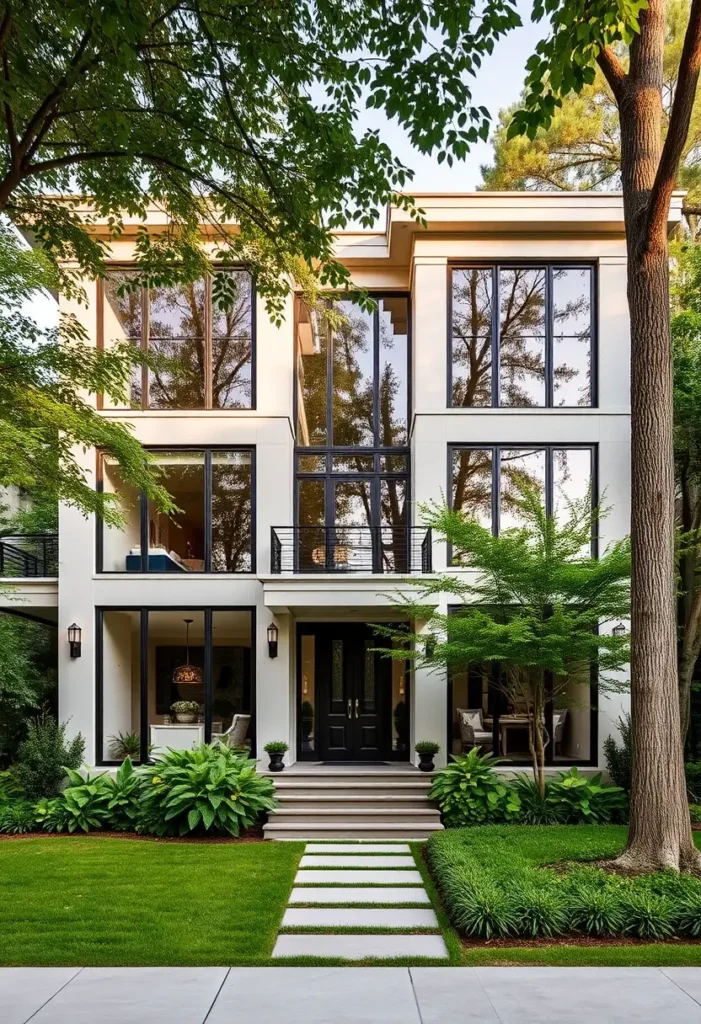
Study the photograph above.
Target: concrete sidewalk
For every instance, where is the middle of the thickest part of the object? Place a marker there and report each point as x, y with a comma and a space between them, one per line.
351, 995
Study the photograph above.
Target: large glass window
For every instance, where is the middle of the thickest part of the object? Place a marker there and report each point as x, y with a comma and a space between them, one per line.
522, 336
211, 530
201, 333
352, 436
484, 480
151, 660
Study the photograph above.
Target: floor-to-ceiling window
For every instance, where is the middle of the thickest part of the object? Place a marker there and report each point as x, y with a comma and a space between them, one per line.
212, 530
352, 468
483, 711
173, 677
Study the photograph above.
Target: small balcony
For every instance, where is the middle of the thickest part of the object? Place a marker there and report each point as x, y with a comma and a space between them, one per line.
28, 556
340, 550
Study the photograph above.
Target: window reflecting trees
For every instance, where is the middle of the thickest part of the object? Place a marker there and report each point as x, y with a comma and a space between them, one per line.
521, 336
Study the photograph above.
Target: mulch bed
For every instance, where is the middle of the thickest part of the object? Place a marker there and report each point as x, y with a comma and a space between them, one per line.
251, 835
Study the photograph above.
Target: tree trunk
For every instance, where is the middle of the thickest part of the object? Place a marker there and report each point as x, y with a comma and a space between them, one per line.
660, 828
535, 738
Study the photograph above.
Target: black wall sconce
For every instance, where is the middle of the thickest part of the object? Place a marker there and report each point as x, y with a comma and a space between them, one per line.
619, 630
272, 640
75, 635
430, 648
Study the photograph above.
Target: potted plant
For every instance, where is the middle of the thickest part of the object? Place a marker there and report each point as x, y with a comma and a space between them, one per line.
277, 750
427, 750
185, 711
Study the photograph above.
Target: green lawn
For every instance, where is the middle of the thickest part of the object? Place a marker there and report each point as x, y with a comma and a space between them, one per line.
120, 902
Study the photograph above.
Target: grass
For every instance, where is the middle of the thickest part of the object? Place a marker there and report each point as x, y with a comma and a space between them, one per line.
118, 902
509, 859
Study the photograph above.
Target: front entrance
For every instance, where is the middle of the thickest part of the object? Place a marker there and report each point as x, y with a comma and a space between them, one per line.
353, 703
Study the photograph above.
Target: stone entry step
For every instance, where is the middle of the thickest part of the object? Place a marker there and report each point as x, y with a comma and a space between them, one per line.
361, 947
387, 895
359, 847
318, 860
357, 917
349, 876
300, 830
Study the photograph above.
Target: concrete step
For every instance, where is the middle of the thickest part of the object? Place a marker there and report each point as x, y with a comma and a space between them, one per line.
361, 947
311, 830
369, 814
356, 799
370, 792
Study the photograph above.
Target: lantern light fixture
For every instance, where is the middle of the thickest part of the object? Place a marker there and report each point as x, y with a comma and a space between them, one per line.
75, 635
272, 640
619, 630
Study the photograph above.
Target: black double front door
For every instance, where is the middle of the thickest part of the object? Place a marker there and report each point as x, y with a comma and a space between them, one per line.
350, 687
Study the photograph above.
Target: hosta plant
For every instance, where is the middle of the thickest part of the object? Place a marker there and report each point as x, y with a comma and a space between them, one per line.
585, 800
469, 792
84, 805
211, 789
124, 806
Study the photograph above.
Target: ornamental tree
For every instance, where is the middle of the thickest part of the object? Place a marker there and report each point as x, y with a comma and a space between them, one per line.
534, 603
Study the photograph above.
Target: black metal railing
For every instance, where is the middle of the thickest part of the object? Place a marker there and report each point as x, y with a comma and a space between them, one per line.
28, 554
345, 549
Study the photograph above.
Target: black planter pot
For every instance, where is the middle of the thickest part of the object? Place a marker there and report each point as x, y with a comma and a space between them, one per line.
276, 764
426, 762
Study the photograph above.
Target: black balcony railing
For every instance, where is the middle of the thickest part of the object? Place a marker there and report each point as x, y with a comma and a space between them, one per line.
345, 549
28, 554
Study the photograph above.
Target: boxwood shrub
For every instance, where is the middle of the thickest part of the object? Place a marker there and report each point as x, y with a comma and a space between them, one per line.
533, 881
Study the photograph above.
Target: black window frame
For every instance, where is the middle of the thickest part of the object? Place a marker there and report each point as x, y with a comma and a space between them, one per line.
548, 447
143, 610
118, 266
547, 266
207, 451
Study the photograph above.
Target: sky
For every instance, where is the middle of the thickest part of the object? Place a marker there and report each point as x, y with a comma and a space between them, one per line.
498, 84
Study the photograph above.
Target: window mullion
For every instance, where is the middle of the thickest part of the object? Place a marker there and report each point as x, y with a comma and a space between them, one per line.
549, 477
496, 489
495, 336
208, 351
549, 326
145, 326
143, 688
208, 475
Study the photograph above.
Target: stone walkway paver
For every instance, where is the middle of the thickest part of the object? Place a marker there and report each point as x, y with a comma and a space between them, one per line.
357, 873
351, 995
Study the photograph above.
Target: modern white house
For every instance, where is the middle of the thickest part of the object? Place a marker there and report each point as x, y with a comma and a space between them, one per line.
297, 455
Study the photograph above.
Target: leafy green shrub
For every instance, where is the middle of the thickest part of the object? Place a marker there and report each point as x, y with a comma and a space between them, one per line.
596, 910
42, 759
619, 757
84, 805
18, 817
537, 809
469, 792
210, 789
427, 747
695, 812
648, 916
276, 747
582, 799
124, 807
9, 788
540, 911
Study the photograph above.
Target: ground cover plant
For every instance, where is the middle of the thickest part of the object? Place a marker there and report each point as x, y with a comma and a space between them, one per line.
82, 900
544, 881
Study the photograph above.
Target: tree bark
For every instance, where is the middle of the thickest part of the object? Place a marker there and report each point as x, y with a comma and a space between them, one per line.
660, 828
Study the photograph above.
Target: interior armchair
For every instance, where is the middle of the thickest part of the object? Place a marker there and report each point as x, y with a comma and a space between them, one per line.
472, 730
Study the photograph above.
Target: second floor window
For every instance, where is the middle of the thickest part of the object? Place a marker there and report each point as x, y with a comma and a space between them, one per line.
203, 330
522, 336
213, 529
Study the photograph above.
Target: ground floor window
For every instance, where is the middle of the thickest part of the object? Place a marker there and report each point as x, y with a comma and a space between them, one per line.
353, 704
482, 714
173, 677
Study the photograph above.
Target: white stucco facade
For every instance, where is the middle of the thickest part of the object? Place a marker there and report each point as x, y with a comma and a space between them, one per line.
460, 228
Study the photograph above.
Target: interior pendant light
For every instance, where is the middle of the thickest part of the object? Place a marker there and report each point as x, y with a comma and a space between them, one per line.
187, 674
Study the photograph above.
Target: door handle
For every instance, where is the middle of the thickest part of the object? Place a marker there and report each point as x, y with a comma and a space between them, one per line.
350, 708
357, 713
